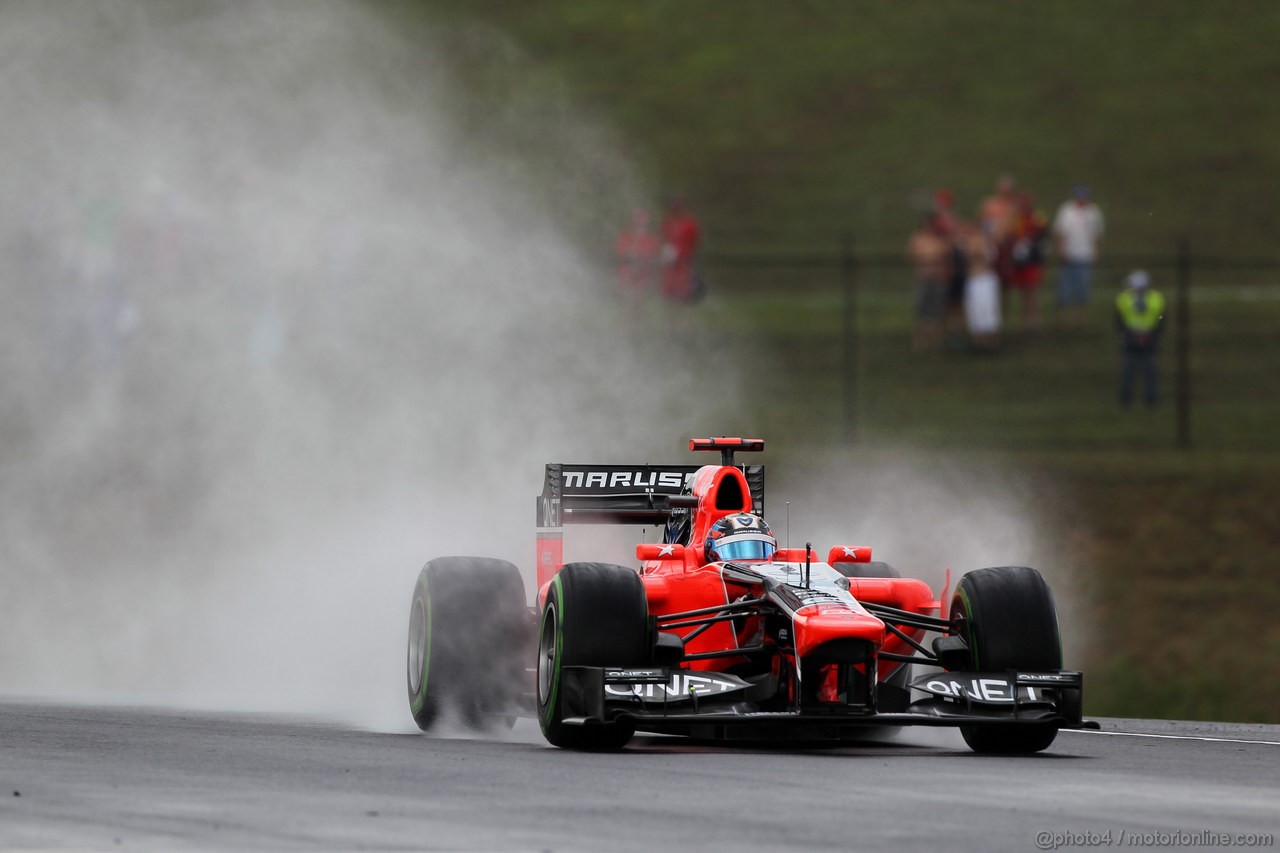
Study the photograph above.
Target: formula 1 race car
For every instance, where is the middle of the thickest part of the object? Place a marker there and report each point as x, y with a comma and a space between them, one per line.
721, 634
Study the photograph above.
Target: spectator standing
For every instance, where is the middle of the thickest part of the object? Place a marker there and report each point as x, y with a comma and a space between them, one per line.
1140, 319
1030, 230
981, 292
997, 211
950, 226
680, 233
996, 216
636, 251
929, 252
1077, 234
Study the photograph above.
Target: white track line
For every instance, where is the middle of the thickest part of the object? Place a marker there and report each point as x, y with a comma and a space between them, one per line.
1171, 737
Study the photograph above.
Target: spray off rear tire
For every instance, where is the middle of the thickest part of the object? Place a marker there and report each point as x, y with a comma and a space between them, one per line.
468, 638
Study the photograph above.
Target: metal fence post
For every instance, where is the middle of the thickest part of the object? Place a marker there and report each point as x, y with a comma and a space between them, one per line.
849, 338
1182, 345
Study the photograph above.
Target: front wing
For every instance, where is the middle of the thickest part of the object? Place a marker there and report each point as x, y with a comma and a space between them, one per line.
717, 705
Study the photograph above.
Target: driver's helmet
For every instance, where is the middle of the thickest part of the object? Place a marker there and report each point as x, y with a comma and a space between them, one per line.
741, 536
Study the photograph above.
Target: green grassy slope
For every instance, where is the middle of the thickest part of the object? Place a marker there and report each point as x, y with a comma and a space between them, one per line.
1184, 584
787, 122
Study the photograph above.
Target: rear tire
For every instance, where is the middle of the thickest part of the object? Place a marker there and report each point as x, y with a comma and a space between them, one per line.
1007, 617
595, 614
469, 634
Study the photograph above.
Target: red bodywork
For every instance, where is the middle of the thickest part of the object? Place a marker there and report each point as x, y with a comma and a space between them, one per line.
678, 579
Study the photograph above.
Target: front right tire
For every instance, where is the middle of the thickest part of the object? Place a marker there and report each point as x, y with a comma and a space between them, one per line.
1007, 617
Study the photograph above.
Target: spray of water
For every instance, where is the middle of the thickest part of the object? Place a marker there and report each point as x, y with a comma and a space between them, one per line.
927, 512
285, 316
280, 325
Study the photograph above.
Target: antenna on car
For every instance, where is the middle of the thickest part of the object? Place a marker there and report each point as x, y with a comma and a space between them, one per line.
808, 558
788, 524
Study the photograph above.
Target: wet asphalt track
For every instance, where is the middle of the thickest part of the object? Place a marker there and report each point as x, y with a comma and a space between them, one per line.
112, 778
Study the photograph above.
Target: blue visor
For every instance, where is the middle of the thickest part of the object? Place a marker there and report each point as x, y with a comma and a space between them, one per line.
745, 549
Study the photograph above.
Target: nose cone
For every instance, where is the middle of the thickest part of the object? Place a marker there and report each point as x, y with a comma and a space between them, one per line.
822, 623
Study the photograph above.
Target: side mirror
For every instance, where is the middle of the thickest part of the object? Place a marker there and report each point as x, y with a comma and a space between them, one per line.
646, 552
849, 554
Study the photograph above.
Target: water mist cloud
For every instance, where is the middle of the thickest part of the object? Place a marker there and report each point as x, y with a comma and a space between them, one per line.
925, 512
279, 329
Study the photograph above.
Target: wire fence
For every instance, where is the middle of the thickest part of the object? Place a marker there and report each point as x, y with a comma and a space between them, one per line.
839, 323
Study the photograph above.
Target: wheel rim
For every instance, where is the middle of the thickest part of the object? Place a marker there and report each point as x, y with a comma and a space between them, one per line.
962, 627
547, 653
417, 644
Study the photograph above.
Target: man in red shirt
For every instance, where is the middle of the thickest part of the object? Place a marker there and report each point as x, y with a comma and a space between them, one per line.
1028, 236
680, 232
637, 255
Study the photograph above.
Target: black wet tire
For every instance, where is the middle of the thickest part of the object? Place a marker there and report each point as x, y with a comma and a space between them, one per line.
469, 641
595, 614
1007, 617
873, 569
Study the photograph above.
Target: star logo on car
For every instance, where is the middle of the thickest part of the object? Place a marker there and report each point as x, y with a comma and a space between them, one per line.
850, 552
667, 550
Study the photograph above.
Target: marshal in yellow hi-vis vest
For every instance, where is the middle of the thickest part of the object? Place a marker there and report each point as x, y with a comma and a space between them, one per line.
1140, 310
1140, 319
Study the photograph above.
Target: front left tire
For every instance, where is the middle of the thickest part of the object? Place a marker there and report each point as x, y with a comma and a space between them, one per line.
595, 614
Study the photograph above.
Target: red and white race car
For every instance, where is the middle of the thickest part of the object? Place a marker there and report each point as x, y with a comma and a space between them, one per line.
718, 633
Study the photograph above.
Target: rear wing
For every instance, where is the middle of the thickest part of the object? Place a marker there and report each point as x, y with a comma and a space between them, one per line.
622, 494
627, 494
614, 494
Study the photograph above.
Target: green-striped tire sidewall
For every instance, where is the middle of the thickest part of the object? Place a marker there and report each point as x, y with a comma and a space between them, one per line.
554, 610
963, 595
1010, 623
418, 698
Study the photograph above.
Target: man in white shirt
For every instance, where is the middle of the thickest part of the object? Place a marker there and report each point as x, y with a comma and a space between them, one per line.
1077, 233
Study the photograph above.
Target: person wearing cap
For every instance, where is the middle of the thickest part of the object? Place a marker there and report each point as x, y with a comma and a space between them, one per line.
1077, 233
1140, 319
